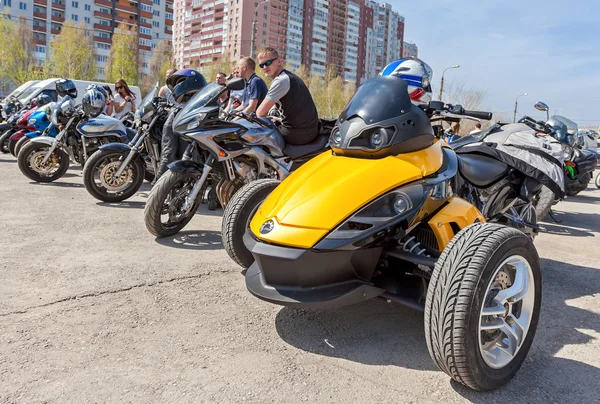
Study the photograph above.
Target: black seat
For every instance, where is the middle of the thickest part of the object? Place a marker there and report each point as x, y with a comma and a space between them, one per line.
296, 151
480, 170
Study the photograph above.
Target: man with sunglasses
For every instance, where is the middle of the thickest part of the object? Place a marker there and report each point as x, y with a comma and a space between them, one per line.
300, 121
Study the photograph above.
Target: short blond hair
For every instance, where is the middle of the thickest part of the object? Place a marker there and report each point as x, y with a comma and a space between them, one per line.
249, 62
268, 49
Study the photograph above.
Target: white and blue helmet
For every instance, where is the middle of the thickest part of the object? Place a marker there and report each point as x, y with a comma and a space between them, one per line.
417, 74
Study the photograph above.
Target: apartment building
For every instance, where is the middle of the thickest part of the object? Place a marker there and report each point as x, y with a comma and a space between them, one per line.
410, 50
154, 19
357, 37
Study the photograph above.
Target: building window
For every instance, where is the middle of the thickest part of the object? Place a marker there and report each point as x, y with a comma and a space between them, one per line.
75, 4
7, 3
169, 16
157, 2
40, 49
155, 24
103, 35
74, 17
22, 6
88, 7
87, 20
156, 13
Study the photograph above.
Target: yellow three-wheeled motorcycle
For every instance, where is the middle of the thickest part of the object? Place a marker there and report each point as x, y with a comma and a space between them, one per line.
391, 211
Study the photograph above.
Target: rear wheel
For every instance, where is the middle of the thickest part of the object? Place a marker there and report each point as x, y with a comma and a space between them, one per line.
238, 213
4, 141
22, 142
576, 186
31, 164
99, 179
165, 213
483, 305
544, 202
598, 181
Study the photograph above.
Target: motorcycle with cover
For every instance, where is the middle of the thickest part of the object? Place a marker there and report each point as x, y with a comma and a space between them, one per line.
393, 212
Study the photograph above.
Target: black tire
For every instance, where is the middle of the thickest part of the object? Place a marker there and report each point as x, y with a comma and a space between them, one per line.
4, 141
455, 299
576, 186
237, 215
166, 197
598, 181
31, 149
12, 144
22, 142
544, 203
101, 189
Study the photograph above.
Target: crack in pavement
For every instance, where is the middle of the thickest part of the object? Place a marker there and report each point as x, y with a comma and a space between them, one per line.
110, 291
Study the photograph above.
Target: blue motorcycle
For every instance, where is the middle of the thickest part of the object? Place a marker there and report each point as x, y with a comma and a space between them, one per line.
40, 120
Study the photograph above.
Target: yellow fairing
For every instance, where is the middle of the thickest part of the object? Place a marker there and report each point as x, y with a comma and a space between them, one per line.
328, 189
457, 211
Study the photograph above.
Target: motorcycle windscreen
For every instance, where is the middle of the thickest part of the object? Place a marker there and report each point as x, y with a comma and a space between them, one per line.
325, 191
379, 99
192, 107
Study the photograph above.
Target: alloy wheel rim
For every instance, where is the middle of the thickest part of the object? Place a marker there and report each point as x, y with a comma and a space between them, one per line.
506, 314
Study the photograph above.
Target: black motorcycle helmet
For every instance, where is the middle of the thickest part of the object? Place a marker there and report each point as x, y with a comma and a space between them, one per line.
42, 100
66, 87
184, 84
93, 102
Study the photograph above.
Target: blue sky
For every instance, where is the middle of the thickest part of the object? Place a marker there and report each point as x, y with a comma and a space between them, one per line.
549, 49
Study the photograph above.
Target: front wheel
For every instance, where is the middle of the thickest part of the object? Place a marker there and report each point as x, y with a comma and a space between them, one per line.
165, 213
574, 187
31, 164
100, 181
598, 181
483, 305
22, 142
4, 141
236, 218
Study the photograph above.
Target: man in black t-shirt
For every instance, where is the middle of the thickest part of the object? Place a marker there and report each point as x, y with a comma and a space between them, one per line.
300, 122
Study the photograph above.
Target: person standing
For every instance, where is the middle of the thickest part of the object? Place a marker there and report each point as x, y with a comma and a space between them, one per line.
165, 91
256, 89
124, 101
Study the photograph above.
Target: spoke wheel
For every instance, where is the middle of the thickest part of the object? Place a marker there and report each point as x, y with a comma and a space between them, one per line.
31, 164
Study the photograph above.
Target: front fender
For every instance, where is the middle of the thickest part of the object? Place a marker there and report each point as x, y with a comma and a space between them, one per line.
32, 135
44, 139
118, 147
186, 166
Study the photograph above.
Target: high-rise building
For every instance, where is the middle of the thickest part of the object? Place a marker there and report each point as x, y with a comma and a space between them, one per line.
154, 19
357, 37
410, 50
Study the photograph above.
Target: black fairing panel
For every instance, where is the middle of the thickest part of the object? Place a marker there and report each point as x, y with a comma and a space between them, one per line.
480, 170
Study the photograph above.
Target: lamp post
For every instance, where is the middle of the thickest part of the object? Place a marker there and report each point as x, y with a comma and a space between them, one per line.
252, 42
516, 103
442, 83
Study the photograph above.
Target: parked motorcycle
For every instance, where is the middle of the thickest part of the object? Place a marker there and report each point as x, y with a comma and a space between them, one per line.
391, 212
23, 127
45, 159
116, 171
233, 152
10, 126
40, 121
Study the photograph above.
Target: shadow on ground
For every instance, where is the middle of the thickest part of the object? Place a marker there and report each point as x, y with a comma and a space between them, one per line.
377, 333
193, 240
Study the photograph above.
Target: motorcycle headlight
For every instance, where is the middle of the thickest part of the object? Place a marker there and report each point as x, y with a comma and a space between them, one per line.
32, 121
376, 217
54, 118
336, 137
194, 123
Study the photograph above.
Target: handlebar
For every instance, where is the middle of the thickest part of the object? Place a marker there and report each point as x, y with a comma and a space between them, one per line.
479, 115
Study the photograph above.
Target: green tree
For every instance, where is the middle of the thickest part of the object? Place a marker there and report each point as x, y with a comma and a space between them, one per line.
72, 53
17, 49
123, 61
161, 61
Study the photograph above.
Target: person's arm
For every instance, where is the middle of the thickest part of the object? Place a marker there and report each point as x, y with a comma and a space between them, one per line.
252, 104
161, 92
132, 101
279, 87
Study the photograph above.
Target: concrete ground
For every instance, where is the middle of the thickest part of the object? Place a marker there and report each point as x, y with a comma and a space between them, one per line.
95, 309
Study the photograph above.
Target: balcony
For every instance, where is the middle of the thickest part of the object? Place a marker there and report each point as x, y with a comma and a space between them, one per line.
58, 19
40, 41
103, 15
55, 31
168, 10
37, 28
146, 14
40, 2
169, 22
101, 27
168, 32
128, 9
39, 15
104, 40
104, 3
58, 6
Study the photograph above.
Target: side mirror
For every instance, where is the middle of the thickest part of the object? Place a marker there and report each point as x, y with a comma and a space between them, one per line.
540, 106
236, 84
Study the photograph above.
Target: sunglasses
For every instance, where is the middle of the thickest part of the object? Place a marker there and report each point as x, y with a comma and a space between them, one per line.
267, 63
118, 87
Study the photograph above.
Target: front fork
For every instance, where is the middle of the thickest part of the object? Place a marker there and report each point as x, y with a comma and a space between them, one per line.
191, 198
56, 142
135, 147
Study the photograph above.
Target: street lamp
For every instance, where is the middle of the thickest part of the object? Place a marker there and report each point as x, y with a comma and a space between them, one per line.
442, 83
516, 103
252, 42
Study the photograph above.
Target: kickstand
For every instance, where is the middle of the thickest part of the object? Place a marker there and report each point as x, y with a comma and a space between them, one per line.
551, 213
